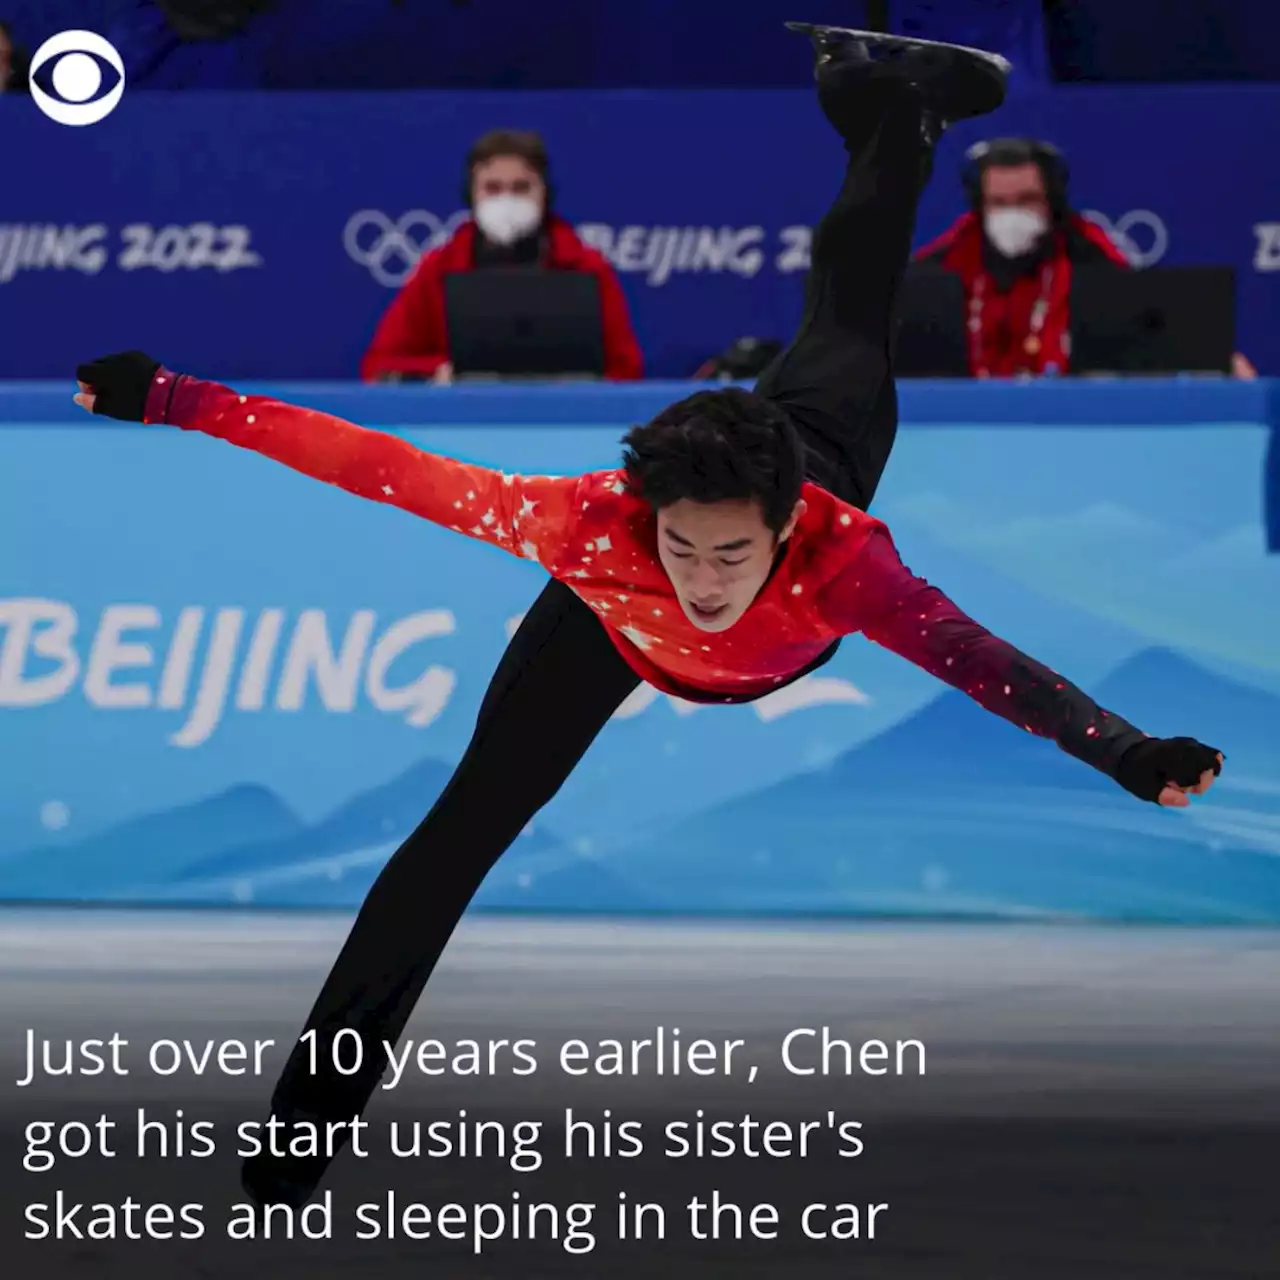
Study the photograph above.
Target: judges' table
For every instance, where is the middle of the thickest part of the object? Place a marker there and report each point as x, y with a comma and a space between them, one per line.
223, 682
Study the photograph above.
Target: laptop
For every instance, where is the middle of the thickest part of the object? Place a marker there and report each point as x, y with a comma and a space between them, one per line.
1163, 320
931, 340
524, 323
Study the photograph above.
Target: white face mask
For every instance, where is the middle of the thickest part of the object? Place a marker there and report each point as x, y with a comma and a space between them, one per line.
1015, 231
505, 219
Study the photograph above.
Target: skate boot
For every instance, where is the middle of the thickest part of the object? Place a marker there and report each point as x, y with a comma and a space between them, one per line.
955, 82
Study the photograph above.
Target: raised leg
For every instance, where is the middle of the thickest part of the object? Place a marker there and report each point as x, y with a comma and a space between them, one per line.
889, 99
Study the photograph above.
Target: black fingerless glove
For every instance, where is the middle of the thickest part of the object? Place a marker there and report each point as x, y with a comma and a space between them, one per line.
120, 384
1149, 766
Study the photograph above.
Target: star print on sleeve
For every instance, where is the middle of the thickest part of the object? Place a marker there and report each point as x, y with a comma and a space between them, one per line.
880, 597
529, 516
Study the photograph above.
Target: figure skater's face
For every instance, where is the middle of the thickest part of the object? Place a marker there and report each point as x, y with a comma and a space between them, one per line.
718, 556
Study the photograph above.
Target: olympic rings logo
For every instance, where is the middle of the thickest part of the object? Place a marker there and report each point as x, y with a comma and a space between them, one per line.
390, 250
1140, 235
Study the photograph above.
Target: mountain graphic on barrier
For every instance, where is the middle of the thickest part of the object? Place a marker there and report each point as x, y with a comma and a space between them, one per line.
244, 845
1166, 695
951, 810
383, 814
173, 837
955, 811
334, 862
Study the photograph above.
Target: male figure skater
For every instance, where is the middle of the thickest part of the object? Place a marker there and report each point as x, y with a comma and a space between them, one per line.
724, 559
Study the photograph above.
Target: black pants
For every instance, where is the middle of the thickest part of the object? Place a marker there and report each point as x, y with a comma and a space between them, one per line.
561, 678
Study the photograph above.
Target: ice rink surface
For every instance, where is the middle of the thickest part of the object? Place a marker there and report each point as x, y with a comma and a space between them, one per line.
1092, 1098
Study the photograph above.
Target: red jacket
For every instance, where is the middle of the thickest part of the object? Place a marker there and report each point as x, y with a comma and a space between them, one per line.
1005, 342
412, 336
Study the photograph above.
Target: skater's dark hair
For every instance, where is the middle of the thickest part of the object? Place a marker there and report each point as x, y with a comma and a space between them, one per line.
718, 446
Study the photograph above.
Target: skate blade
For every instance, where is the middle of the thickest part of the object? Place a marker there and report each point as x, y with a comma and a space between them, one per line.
883, 41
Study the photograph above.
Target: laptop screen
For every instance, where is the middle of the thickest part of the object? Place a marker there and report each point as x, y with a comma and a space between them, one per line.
1165, 320
524, 322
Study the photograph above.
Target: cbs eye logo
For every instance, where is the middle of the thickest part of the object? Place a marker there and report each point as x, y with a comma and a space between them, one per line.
70, 78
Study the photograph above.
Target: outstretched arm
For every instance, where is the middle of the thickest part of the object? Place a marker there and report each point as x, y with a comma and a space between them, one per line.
530, 516
879, 596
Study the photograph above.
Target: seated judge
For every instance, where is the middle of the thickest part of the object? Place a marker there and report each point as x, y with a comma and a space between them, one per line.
512, 224
1015, 251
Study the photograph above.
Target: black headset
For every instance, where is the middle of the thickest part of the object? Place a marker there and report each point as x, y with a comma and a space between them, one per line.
1012, 151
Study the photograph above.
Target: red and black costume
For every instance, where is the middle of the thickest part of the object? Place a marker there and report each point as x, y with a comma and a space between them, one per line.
412, 337
839, 574
1018, 310
609, 619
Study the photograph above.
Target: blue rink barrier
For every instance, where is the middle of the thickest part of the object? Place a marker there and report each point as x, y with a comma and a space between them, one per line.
223, 683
